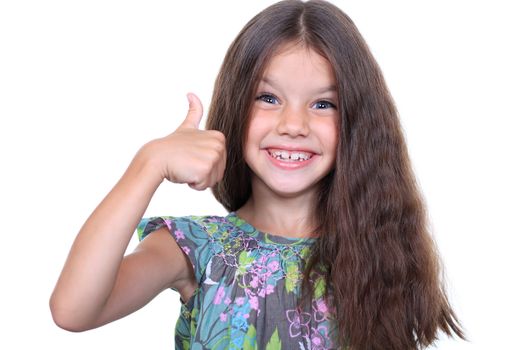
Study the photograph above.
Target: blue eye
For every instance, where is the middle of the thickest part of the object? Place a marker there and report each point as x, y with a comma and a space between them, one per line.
268, 98
324, 105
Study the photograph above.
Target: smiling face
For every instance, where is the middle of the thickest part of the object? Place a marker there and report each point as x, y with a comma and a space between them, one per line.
292, 133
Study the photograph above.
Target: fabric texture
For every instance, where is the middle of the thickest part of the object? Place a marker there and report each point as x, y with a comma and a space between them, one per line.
248, 287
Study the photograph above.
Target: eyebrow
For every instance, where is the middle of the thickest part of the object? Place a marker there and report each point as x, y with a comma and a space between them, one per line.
271, 82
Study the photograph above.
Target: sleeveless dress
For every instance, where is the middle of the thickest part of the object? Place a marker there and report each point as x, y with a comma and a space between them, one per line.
248, 287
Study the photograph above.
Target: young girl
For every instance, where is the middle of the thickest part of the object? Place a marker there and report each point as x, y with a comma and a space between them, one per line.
326, 243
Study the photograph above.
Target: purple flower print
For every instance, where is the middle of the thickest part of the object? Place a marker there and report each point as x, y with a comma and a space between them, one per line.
319, 340
273, 266
262, 260
239, 301
254, 303
322, 306
298, 322
227, 301
320, 310
269, 289
254, 282
218, 297
223, 317
179, 234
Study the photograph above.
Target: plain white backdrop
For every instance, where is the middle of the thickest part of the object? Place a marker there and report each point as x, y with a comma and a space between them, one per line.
84, 84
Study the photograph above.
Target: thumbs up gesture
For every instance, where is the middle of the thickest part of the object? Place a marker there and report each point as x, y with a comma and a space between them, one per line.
191, 155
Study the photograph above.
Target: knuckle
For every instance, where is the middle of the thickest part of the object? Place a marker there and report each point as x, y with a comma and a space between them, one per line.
218, 151
219, 135
196, 179
222, 146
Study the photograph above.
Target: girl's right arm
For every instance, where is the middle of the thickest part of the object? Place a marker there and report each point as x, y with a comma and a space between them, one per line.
98, 284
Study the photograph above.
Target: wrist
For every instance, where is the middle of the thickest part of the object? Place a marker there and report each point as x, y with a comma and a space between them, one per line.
145, 164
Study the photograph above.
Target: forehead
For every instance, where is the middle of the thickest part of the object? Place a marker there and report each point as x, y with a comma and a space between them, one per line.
298, 61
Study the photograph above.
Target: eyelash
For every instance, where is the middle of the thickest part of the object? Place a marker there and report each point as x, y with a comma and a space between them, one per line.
269, 98
327, 103
265, 97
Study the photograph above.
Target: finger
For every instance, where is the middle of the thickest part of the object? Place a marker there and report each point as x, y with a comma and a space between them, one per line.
194, 115
198, 186
214, 176
222, 166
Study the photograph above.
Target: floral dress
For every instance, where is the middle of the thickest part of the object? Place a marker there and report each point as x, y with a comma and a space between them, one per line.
248, 287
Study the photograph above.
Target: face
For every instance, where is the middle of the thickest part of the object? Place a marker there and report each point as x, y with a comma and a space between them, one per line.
292, 134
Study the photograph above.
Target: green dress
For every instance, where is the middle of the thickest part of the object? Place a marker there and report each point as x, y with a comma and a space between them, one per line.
248, 287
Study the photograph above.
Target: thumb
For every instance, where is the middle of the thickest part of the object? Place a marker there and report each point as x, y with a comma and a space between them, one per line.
194, 115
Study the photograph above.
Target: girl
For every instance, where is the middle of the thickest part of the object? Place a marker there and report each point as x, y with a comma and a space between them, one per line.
326, 243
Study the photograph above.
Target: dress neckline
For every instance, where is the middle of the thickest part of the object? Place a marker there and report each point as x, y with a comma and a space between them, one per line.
265, 236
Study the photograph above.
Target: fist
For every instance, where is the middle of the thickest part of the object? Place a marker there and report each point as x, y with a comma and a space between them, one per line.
191, 155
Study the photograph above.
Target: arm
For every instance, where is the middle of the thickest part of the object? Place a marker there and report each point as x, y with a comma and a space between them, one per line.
98, 284
156, 264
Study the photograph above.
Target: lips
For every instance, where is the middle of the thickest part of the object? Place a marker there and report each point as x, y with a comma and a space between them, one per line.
290, 155
290, 158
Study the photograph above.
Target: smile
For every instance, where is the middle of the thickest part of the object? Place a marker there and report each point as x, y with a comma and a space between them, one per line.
290, 156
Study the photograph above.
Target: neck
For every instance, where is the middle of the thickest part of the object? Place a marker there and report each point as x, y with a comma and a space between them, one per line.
280, 215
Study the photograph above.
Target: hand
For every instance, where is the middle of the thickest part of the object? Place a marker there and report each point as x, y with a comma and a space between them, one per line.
190, 155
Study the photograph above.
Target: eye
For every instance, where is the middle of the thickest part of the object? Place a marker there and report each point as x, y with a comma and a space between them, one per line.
268, 98
324, 105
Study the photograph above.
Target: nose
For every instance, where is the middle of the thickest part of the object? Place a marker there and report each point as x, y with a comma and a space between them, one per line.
293, 122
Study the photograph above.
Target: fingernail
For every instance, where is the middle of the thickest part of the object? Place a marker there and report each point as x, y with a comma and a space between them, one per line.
188, 96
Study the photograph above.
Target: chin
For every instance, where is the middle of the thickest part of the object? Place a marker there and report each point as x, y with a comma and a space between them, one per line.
288, 190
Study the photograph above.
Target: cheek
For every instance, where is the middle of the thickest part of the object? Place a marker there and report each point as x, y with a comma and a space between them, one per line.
260, 116
329, 134
259, 125
254, 135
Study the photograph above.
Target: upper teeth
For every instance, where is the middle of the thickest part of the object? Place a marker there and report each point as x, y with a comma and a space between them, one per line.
290, 155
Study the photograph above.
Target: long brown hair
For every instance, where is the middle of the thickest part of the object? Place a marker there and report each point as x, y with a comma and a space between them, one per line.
380, 263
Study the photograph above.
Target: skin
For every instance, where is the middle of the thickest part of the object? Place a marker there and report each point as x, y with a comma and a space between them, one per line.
98, 283
296, 108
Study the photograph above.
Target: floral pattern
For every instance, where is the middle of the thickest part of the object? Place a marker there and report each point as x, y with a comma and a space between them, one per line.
248, 287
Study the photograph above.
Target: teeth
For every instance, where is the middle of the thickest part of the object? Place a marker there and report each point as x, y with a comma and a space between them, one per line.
294, 156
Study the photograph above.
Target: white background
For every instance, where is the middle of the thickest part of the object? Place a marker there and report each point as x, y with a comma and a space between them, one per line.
83, 84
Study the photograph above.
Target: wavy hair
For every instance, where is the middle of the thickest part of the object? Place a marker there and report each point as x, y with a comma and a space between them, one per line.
381, 266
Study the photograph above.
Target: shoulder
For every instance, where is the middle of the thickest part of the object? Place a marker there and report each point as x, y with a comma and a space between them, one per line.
196, 225
198, 237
